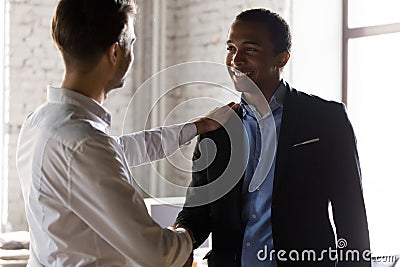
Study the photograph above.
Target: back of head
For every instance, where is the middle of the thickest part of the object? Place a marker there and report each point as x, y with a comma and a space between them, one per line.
278, 28
84, 29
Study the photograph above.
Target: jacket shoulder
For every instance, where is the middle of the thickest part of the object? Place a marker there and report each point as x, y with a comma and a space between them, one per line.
315, 103
315, 99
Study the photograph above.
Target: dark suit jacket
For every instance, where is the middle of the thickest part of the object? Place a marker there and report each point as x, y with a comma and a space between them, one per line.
307, 178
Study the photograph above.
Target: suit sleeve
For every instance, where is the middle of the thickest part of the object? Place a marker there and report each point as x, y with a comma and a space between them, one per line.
346, 193
196, 218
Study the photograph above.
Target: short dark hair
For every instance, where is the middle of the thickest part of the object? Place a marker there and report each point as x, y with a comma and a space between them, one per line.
277, 26
84, 29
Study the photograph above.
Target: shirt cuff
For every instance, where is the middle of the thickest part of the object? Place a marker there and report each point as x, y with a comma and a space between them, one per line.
188, 132
186, 232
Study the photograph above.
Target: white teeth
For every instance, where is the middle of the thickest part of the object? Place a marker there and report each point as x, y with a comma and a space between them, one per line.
240, 74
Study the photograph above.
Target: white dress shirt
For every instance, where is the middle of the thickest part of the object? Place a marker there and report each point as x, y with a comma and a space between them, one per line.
80, 204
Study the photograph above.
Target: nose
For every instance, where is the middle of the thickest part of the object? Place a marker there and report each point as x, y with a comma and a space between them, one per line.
238, 58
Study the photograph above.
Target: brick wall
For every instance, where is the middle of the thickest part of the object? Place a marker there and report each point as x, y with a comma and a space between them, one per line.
194, 30
34, 63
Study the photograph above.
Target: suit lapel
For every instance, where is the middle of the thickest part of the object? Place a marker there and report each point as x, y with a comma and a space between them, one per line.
290, 120
287, 133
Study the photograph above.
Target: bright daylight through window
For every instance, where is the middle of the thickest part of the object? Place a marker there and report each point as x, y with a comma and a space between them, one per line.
373, 92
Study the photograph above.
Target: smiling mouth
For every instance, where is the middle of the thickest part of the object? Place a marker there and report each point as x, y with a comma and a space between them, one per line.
239, 73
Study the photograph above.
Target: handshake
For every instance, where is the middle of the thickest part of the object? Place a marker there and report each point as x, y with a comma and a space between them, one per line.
180, 228
210, 122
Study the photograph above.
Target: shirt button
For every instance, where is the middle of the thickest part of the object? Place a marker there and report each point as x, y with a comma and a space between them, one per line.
258, 188
254, 216
259, 159
248, 244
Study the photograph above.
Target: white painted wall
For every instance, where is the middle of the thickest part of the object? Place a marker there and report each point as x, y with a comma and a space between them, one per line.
317, 47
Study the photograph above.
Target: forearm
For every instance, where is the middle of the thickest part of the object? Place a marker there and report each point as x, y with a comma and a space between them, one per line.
150, 145
196, 218
195, 221
155, 144
101, 197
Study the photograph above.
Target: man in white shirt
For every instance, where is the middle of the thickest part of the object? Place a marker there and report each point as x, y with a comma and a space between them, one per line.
81, 206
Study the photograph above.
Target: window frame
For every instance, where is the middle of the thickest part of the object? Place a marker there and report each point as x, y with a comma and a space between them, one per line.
358, 32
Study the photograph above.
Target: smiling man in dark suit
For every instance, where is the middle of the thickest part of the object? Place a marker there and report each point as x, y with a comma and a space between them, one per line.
284, 221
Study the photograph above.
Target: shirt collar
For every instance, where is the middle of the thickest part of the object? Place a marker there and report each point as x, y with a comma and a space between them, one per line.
278, 97
275, 103
66, 96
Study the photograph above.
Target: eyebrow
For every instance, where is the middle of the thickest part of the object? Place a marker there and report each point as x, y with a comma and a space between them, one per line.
245, 42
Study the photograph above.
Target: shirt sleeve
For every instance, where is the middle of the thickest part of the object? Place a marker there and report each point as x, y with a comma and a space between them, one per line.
101, 196
150, 145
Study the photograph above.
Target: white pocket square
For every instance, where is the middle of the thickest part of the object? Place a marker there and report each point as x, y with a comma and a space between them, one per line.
307, 142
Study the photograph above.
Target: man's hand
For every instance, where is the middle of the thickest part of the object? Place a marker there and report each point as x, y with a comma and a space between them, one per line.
189, 261
215, 118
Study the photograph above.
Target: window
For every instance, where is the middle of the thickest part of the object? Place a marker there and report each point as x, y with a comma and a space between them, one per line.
371, 88
362, 13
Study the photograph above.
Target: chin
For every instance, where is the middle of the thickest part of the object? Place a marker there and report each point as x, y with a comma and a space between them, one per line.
243, 84
240, 88
118, 85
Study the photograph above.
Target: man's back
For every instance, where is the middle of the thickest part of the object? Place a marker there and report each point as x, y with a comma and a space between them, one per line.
49, 139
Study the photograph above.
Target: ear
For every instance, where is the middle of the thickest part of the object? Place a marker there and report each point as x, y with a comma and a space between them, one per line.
282, 59
113, 53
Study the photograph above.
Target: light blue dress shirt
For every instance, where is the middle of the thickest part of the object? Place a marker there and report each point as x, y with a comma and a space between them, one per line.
256, 209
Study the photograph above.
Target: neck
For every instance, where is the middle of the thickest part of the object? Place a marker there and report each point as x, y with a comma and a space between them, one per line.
88, 84
260, 99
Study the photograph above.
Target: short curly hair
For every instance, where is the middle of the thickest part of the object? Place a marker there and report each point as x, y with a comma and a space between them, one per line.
277, 26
